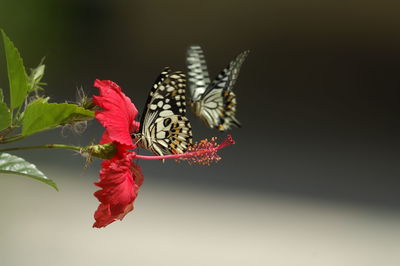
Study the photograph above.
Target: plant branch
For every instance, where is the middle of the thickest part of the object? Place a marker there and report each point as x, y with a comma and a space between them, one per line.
46, 146
11, 139
7, 131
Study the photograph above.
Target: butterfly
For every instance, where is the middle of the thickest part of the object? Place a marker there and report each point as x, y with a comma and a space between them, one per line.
214, 102
164, 128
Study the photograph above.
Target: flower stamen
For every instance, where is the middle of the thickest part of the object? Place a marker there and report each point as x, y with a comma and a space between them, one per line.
203, 152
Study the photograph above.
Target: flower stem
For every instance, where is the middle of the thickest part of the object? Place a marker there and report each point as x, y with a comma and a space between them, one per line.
46, 146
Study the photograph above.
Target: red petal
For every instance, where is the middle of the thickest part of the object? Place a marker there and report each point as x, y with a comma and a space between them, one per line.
137, 173
120, 180
118, 114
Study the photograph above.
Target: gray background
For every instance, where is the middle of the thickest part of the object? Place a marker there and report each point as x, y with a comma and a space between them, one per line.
312, 180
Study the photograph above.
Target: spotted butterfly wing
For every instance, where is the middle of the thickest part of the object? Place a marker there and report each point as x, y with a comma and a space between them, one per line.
215, 103
164, 128
198, 77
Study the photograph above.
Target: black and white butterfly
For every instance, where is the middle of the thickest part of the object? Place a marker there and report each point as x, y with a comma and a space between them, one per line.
164, 128
214, 102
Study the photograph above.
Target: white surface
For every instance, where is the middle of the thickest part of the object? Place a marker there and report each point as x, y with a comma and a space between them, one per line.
174, 225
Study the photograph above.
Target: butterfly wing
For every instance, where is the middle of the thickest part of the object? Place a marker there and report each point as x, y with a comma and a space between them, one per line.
217, 106
198, 77
164, 126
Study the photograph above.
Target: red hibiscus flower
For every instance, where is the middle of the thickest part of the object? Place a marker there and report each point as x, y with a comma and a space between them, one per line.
120, 179
118, 114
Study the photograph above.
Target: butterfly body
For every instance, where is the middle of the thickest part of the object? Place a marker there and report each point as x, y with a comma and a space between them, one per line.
164, 128
214, 102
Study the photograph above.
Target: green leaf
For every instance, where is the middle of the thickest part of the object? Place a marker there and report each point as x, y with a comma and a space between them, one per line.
5, 116
17, 77
36, 76
41, 115
1, 96
10, 164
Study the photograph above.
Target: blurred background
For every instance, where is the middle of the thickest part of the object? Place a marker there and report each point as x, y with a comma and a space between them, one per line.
313, 178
